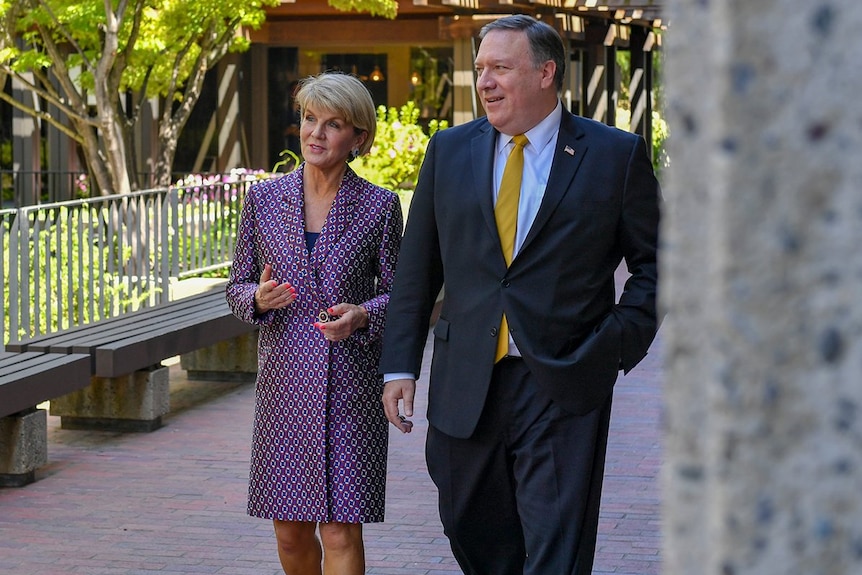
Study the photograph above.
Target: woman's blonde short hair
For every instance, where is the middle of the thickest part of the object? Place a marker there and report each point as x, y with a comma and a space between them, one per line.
344, 95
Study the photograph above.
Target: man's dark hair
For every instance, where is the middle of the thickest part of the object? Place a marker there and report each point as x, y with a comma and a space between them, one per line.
545, 43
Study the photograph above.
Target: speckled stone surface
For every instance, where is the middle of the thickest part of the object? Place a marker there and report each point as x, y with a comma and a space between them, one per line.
23, 446
230, 360
133, 402
763, 288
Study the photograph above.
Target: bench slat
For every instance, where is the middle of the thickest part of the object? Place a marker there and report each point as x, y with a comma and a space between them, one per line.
31, 378
137, 340
59, 341
145, 349
87, 342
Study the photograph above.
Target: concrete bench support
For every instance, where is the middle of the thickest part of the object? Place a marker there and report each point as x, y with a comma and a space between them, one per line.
134, 402
23, 446
230, 360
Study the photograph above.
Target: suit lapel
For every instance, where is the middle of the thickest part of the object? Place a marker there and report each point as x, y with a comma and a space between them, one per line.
482, 159
568, 154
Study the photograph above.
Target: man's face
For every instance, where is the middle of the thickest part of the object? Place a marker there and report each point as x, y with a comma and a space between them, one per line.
515, 93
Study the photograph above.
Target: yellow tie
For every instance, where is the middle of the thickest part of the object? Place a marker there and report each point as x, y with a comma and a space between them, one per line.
506, 214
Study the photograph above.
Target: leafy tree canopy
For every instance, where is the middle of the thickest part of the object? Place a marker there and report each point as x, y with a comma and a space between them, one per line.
159, 40
385, 8
116, 54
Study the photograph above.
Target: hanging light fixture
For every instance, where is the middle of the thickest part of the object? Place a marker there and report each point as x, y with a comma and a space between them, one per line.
415, 78
376, 74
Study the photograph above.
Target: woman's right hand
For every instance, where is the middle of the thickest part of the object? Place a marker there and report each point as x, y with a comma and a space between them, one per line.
272, 295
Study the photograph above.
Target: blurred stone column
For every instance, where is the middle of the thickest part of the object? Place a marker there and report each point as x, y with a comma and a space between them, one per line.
763, 288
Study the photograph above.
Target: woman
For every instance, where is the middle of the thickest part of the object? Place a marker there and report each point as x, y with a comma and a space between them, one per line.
314, 264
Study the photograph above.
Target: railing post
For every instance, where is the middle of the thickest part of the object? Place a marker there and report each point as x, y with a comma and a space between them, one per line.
19, 266
169, 234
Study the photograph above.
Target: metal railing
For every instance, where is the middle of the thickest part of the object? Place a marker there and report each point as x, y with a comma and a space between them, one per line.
71, 263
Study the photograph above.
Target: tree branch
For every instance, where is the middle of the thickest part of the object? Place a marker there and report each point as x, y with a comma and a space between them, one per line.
64, 31
42, 115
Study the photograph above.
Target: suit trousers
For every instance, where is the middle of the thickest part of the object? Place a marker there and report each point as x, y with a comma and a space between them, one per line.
521, 495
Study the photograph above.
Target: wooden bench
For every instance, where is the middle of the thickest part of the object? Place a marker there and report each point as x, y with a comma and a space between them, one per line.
26, 380
139, 339
30, 378
129, 384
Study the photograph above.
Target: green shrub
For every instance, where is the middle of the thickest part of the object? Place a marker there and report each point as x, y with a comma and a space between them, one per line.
398, 150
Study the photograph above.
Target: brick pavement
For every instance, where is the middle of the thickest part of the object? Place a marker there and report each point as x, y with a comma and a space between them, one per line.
172, 501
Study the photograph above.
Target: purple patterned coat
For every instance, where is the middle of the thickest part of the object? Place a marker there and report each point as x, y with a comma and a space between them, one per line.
320, 436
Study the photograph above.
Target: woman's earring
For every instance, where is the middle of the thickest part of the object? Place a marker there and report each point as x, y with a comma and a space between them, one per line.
354, 153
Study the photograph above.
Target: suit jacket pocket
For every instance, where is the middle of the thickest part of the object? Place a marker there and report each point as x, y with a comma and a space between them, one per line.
441, 329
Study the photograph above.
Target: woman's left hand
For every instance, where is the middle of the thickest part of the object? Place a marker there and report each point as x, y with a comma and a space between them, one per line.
347, 318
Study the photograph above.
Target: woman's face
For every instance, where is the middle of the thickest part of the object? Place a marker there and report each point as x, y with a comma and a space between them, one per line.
327, 138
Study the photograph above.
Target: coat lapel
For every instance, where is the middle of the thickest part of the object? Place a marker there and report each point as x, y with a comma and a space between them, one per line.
340, 216
292, 206
568, 154
339, 219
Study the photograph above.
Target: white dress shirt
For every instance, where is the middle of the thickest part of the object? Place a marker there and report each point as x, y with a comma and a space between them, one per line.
538, 156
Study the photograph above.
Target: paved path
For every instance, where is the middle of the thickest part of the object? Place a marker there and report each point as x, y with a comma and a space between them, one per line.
172, 501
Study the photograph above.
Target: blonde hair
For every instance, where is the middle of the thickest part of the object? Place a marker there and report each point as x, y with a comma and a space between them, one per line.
344, 95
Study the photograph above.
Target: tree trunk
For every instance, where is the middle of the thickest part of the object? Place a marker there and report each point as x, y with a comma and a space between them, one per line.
167, 151
108, 106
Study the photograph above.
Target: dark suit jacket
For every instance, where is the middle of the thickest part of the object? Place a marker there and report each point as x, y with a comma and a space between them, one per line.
601, 204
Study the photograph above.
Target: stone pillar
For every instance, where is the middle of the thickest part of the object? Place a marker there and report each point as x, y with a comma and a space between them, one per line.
23, 446
229, 360
135, 402
762, 281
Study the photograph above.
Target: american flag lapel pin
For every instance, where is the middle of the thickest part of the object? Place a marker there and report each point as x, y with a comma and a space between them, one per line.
569, 150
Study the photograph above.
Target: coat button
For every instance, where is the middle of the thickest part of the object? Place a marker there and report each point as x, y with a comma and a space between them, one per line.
505, 283
493, 332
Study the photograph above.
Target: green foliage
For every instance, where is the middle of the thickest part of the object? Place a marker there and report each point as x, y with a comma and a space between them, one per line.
385, 8
170, 38
7, 181
209, 215
289, 161
398, 149
660, 131
70, 252
69, 52
208, 220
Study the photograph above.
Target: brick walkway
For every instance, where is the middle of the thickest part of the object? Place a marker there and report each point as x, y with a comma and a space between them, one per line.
173, 501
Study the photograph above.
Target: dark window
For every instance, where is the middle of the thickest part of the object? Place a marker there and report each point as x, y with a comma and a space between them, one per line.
370, 68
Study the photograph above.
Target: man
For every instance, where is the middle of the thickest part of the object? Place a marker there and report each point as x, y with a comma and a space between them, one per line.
516, 446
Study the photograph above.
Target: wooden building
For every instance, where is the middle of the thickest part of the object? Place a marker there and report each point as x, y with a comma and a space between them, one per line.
245, 117
426, 54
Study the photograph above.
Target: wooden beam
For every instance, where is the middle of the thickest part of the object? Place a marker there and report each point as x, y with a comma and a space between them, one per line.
318, 32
